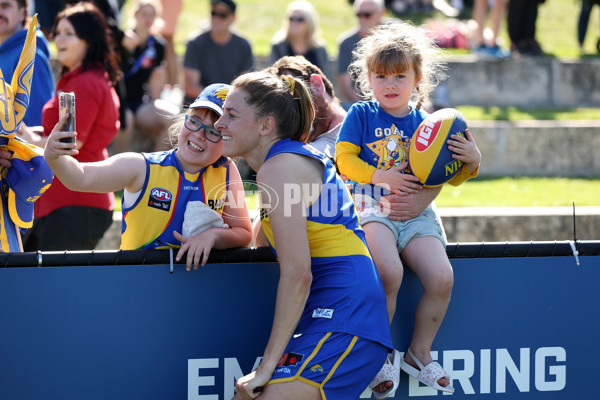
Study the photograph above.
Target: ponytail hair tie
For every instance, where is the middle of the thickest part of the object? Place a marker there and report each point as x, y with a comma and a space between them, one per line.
290, 82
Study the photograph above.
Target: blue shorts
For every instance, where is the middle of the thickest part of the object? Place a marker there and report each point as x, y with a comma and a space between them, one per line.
339, 364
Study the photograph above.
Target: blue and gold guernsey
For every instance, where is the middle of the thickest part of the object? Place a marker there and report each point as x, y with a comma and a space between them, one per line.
159, 209
346, 294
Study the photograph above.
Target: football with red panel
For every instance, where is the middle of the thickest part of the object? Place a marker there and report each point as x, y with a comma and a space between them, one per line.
429, 158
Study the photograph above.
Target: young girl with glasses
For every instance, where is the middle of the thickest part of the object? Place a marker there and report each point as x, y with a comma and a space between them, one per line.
190, 197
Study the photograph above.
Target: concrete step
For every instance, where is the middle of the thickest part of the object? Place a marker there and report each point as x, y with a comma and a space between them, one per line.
538, 148
500, 224
483, 224
530, 82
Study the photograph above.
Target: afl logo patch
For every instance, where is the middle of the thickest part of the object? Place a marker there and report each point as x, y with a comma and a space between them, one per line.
160, 198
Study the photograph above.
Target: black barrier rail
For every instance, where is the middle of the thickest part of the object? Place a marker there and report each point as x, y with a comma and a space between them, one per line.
264, 254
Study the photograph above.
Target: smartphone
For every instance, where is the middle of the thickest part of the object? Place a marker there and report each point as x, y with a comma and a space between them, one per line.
66, 105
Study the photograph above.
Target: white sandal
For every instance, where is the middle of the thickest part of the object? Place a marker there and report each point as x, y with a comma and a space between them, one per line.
389, 372
429, 374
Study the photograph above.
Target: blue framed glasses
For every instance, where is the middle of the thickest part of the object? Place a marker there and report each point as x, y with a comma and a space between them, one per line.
194, 124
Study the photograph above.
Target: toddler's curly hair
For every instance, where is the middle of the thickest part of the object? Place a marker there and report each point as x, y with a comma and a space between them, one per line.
391, 48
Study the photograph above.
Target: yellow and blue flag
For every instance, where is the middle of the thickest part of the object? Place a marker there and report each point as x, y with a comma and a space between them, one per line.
14, 98
29, 176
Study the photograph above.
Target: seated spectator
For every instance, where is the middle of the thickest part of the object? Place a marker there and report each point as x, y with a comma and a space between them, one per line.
207, 209
369, 14
217, 54
145, 78
66, 219
13, 31
300, 35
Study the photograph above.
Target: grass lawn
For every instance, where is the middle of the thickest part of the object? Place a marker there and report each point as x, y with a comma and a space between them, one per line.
475, 113
521, 192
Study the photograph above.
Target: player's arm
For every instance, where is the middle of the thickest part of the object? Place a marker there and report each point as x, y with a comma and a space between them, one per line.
288, 222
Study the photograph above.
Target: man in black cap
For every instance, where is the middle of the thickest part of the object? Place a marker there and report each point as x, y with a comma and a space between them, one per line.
216, 55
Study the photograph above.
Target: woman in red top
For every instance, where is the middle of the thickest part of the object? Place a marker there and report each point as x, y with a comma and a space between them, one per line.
65, 219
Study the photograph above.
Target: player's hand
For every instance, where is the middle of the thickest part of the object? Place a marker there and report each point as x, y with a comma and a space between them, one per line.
465, 149
397, 181
54, 147
250, 386
198, 247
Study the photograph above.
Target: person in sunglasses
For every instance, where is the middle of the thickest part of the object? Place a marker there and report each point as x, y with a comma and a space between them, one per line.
216, 54
300, 35
190, 197
369, 14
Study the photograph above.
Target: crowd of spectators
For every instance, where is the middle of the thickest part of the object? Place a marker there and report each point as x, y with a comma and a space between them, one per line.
218, 52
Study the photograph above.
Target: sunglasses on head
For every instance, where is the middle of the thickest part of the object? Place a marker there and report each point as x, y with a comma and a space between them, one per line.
194, 124
296, 19
364, 14
221, 15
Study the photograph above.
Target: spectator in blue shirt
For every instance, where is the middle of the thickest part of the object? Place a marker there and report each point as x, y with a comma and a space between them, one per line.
12, 39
